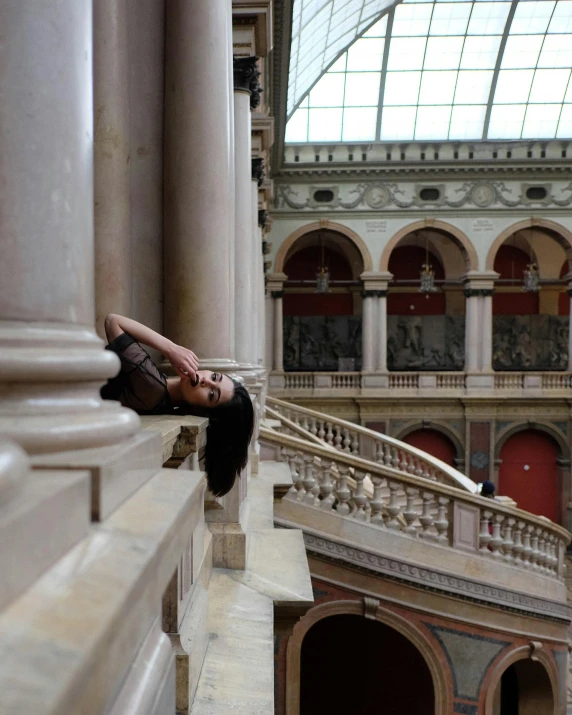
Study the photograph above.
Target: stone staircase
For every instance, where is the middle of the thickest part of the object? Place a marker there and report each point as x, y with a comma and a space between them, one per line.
568, 582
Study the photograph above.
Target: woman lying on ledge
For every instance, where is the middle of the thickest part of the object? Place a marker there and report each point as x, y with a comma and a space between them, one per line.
141, 386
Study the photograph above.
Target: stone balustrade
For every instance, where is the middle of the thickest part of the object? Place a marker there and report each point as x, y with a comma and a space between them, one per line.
383, 450
407, 504
348, 384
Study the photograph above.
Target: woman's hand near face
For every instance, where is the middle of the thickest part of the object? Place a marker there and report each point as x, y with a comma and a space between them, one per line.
183, 360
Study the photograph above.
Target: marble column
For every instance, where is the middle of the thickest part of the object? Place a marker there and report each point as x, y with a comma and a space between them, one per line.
261, 292
199, 165
278, 332
369, 298
382, 332
51, 361
112, 200
487, 331
245, 71
472, 331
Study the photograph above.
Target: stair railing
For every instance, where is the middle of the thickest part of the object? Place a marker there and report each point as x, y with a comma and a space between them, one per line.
360, 441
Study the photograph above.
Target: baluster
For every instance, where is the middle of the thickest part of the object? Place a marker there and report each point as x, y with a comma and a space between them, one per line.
425, 473
387, 460
327, 487
360, 498
393, 507
426, 517
313, 426
338, 438
395, 460
518, 546
378, 451
346, 442
442, 521
418, 470
318, 473
485, 535
355, 443
329, 434
410, 514
527, 549
534, 545
377, 503
309, 479
342, 492
305, 423
497, 540
321, 430
541, 550
508, 543
403, 464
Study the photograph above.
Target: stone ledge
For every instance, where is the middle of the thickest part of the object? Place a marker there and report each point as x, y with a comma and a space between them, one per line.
181, 436
117, 472
31, 537
76, 631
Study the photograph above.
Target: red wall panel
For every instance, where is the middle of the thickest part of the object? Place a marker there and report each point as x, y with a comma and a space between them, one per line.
434, 443
318, 304
529, 473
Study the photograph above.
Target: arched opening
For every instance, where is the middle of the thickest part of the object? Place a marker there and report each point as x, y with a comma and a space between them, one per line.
322, 328
426, 324
524, 689
530, 327
389, 673
529, 473
434, 443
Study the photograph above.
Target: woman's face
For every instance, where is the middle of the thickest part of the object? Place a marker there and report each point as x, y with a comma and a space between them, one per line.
211, 390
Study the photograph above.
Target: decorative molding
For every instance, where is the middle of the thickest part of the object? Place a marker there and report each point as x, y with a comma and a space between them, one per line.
437, 581
375, 195
257, 168
370, 606
478, 292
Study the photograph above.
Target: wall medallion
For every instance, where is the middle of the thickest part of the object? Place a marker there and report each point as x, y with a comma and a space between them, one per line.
483, 195
377, 196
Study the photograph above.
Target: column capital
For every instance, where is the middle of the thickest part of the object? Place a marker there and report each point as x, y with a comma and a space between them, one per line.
368, 293
478, 292
276, 281
247, 78
258, 170
478, 281
376, 281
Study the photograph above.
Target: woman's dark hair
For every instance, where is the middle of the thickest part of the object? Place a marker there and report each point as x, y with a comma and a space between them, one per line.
228, 439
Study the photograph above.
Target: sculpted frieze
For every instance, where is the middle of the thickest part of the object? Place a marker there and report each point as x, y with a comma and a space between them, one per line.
377, 196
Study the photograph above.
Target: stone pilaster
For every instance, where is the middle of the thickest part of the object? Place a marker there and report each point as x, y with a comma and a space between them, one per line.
51, 361
199, 180
374, 338
479, 288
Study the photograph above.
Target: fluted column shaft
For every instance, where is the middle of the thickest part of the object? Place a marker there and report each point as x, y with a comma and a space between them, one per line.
112, 214
244, 227
51, 361
278, 331
382, 332
472, 362
487, 332
199, 159
367, 331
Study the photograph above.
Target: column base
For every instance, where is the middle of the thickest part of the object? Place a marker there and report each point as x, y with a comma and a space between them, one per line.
50, 375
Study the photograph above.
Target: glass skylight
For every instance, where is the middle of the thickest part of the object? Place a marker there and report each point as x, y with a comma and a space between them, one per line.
448, 69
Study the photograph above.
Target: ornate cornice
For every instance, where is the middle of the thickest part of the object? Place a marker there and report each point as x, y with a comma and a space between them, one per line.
258, 170
433, 580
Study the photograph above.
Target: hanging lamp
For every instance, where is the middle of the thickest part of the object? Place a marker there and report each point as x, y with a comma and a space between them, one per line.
531, 278
427, 274
323, 274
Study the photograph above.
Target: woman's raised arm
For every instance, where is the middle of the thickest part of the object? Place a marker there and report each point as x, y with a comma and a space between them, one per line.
184, 361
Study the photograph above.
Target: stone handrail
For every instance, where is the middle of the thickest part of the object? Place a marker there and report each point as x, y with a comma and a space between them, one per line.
409, 504
382, 449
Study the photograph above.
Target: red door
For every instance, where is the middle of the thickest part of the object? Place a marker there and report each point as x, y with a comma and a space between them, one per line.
529, 473
434, 443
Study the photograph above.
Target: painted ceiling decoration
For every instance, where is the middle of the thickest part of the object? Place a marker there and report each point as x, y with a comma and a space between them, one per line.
438, 70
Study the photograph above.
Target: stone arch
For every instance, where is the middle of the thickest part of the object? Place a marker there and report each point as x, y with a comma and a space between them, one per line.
470, 254
438, 426
545, 427
323, 224
563, 236
536, 653
383, 615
